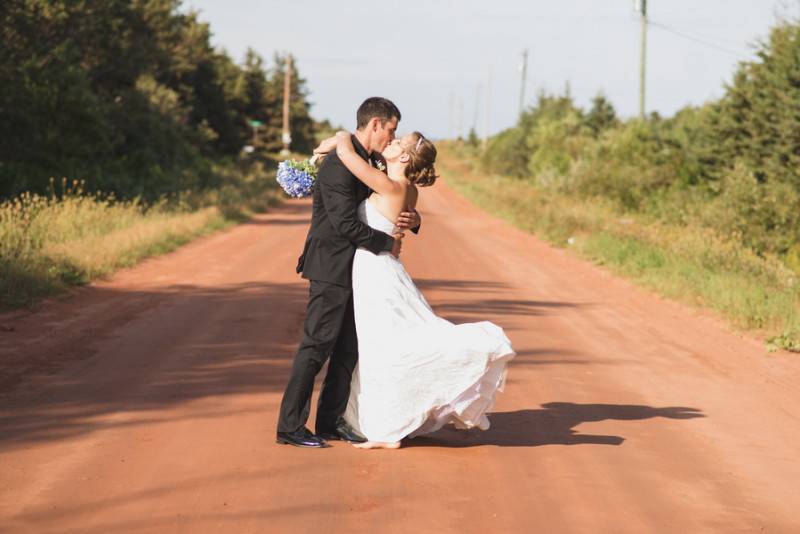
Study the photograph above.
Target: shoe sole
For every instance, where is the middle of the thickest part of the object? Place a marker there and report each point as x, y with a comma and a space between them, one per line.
328, 437
285, 442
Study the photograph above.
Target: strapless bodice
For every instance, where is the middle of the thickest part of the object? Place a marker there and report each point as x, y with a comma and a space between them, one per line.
369, 214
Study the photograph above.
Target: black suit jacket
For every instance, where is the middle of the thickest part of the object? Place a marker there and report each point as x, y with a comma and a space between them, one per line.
335, 230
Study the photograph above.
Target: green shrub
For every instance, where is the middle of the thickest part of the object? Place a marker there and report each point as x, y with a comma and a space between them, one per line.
763, 215
507, 153
555, 143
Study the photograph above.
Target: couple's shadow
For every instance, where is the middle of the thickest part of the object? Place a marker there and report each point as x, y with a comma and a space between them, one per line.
553, 424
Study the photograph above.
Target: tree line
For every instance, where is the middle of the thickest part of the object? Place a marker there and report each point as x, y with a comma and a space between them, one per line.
131, 97
732, 165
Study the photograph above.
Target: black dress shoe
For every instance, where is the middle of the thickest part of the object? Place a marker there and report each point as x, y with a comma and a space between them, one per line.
343, 432
301, 438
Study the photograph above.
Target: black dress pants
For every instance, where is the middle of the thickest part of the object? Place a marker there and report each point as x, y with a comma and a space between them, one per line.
329, 330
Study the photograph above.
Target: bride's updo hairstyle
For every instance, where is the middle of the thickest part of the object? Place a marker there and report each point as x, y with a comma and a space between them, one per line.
422, 155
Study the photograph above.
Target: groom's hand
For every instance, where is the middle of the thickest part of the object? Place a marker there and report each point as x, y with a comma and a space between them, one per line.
407, 220
398, 244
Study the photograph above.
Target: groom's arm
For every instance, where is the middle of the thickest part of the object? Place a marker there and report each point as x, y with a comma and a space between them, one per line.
336, 187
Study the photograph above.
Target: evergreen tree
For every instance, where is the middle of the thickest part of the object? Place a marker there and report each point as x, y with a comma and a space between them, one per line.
601, 116
251, 93
757, 122
472, 138
755, 132
128, 95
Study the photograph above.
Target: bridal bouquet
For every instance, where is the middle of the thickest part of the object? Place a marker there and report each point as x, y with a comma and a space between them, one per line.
297, 177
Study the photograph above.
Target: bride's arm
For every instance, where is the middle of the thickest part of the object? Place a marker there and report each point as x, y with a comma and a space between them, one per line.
373, 178
325, 146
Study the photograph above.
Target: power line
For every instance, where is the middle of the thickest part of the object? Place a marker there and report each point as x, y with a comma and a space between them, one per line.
703, 41
721, 41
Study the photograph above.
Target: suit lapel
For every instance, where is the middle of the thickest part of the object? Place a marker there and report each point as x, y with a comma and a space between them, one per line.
362, 190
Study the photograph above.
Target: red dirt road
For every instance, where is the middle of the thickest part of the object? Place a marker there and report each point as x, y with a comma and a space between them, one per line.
147, 403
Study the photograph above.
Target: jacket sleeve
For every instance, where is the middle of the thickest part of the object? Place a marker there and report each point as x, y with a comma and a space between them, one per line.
336, 187
416, 229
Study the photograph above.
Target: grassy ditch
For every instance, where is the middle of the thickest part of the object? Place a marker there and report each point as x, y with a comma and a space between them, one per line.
50, 243
690, 264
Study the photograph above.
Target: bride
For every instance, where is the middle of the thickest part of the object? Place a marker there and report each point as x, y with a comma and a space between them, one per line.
416, 371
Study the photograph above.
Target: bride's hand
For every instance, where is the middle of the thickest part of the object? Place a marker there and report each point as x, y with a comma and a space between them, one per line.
408, 219
326, 146
344, 143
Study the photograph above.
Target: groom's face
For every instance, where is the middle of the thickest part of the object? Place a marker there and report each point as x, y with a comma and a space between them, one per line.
383, 134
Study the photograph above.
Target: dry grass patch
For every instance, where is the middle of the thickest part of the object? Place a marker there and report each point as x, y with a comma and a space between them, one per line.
49, 243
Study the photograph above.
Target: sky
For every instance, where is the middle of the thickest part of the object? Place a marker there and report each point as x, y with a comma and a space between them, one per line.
434, 57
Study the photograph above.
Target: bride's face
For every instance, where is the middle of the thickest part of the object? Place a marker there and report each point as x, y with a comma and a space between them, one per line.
398, 147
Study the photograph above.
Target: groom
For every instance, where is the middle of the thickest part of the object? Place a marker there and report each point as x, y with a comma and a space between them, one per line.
329, 328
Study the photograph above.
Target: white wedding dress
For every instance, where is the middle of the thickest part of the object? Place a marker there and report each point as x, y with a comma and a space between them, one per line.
416, 371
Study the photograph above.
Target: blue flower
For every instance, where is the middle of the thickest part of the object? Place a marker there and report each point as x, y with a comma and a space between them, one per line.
296, 177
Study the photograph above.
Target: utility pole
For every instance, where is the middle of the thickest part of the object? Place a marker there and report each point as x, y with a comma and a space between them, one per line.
524, 69
477, 108
641, 8
287, 84
488, 107
451, 121
460, 119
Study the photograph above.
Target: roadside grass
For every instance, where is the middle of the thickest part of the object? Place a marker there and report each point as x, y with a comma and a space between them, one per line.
692, 265
51, 243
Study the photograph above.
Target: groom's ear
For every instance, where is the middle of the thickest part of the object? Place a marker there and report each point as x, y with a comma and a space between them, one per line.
374, 123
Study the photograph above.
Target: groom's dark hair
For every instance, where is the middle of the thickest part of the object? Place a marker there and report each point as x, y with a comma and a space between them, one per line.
376, 106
